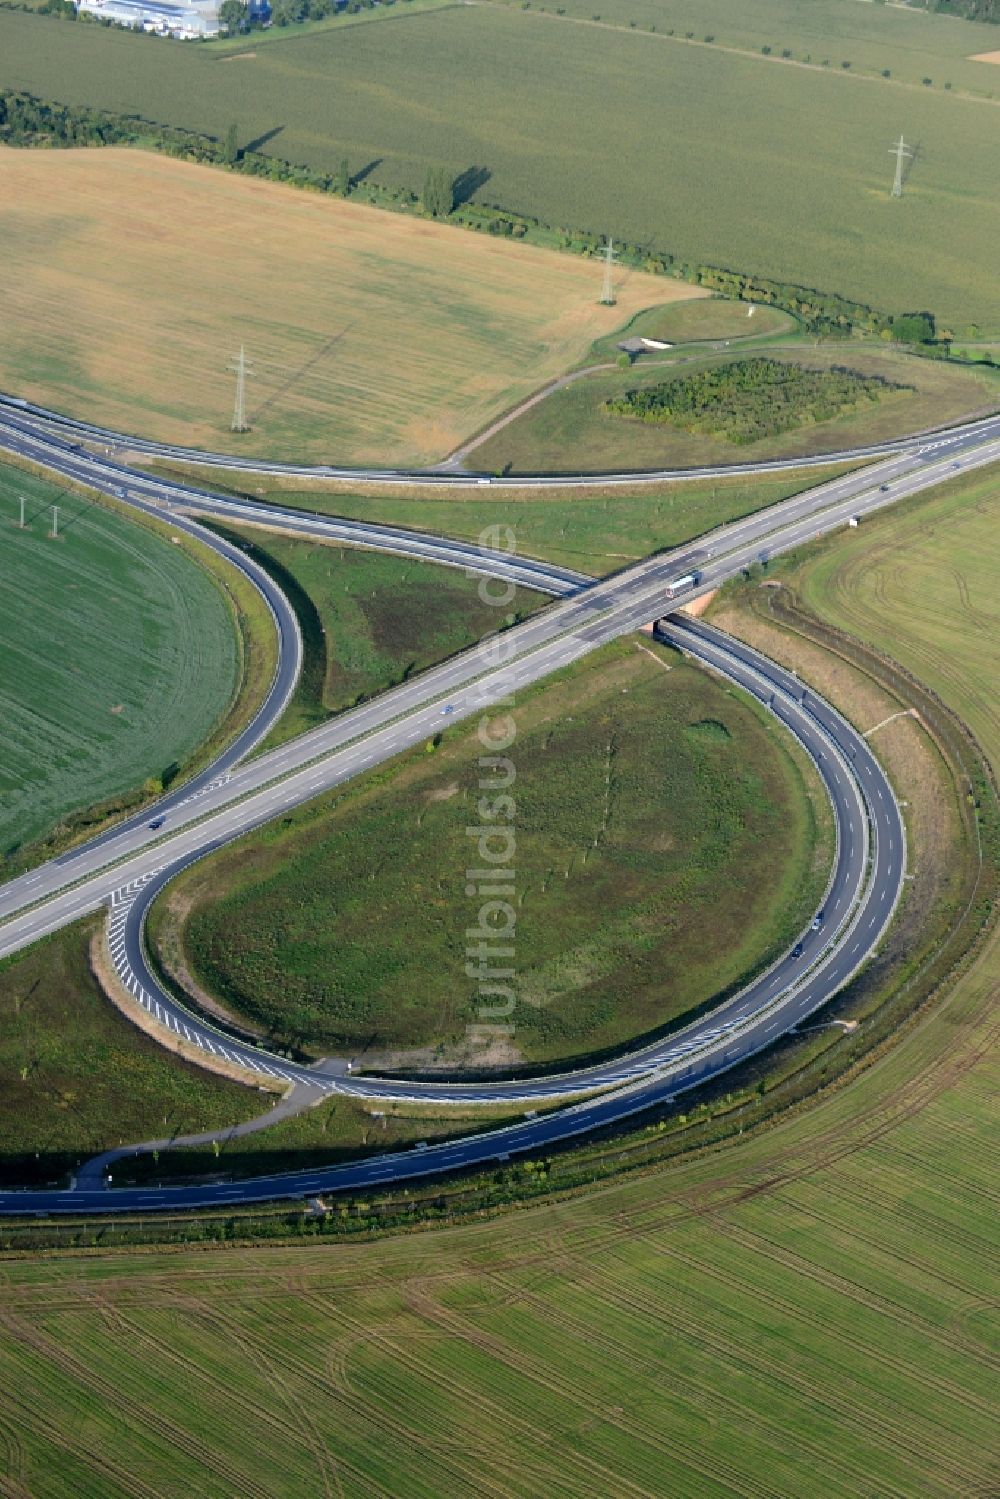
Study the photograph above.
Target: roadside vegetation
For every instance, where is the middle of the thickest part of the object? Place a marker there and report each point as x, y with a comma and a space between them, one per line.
895, 47
369, 620
339, 1129
646, 799
573, 428
76, 1078
121, 660
595, 530
751, 399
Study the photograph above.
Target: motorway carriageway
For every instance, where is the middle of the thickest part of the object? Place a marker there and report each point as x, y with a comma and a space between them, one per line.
29, 417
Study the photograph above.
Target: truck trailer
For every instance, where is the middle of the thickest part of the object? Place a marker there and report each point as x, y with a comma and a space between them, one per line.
678, 585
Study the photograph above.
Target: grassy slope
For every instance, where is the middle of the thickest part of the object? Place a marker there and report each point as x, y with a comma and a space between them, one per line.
539, 121
571, 430
697, 322
120, 657
383, 339
644, 804
369, 619
815, 1300
76, 1078
595, 530
338, 1129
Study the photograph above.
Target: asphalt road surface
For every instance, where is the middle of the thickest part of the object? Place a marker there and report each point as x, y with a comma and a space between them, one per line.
39, 419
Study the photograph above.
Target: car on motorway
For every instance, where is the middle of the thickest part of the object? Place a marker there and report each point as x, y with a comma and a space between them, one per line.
448, 708
883, 489
157, 822
818, 920
798, 950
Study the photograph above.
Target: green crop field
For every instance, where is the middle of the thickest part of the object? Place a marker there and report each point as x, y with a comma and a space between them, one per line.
595, 531
120, 657
737, 160
645, 796
825, 34
812, 1304
369, 619
77, 1078
571, 428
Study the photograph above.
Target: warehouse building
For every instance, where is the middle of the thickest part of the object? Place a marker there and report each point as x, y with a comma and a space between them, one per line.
189, 21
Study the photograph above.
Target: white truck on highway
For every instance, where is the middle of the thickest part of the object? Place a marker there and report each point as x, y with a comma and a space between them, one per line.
678, 585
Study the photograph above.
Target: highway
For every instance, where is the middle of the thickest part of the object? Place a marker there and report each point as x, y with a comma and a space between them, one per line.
858, 905
133, 861
870, 855
30, 418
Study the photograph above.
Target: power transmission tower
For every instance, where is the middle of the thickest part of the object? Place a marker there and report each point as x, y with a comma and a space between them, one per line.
608, 289
241, 369
21, 498
55, 522
900, 151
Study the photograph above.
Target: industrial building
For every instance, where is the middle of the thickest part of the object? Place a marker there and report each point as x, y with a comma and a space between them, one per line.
187, 19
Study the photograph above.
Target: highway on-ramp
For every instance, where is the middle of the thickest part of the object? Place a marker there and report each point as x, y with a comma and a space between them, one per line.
858, 905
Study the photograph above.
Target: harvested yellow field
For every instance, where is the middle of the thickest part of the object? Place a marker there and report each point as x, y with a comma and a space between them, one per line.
131, 280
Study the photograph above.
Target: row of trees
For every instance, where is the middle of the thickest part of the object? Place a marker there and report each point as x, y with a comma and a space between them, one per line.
972, 10
26, 121
237, 16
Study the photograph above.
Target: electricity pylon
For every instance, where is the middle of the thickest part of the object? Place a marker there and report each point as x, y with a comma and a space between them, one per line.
241, 369
608, 289
900, 151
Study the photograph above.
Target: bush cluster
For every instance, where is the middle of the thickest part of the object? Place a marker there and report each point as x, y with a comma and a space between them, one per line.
751, 398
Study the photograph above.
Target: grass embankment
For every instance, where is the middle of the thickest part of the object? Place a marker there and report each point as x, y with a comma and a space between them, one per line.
646, 801
382, 340
815, 1299
700, 322
369, 619
593, 530
122, 661
339, 1129
572, 431
76, 1078
537, 122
